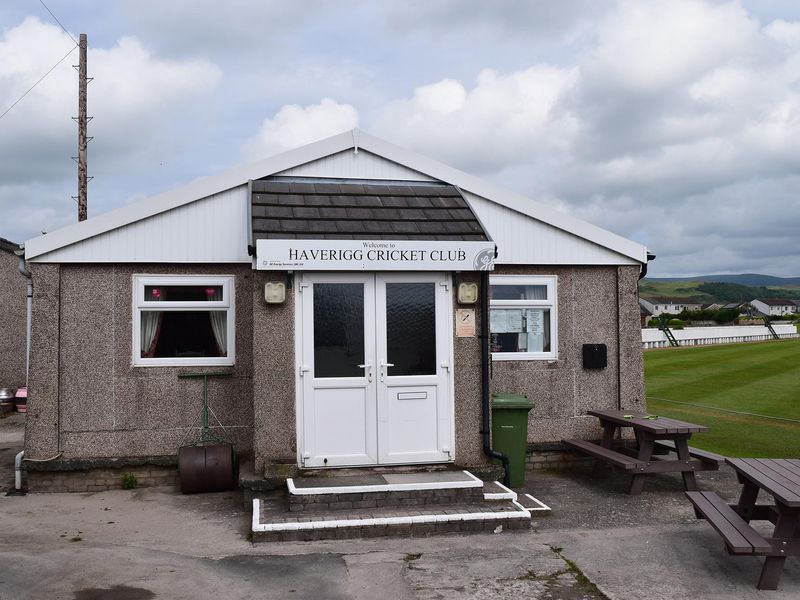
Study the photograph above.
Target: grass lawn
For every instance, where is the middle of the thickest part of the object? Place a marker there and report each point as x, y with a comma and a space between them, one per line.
762, 379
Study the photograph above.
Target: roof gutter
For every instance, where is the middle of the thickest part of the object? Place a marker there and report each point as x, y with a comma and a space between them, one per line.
643, 274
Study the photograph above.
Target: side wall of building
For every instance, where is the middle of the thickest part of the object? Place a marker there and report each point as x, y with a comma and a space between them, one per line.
86, 399
12, 321
596, 305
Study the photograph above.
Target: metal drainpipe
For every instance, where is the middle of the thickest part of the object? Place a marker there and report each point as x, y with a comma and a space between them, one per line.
487, 444
27, 275
18, 474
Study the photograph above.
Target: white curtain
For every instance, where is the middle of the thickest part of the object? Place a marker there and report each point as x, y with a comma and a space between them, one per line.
535, 292
219, 324
151, 324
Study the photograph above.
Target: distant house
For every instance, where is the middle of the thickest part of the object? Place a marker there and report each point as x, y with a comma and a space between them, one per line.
644, 312
12, 317
774, 307
734, 306
660, 305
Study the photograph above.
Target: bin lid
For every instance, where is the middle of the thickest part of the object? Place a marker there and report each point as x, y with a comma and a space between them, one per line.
505, 400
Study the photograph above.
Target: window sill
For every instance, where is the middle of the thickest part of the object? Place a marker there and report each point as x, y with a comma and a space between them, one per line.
524, 356
186, 362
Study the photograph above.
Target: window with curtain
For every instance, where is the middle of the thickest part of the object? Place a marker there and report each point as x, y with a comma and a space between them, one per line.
183, 320
522, 317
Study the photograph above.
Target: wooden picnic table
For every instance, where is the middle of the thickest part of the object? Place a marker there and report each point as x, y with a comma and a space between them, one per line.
779, 478
652, 433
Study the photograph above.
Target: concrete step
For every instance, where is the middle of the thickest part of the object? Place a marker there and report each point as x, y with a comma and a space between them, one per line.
376, 490
272, 521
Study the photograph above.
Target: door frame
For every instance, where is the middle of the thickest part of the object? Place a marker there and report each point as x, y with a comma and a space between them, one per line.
445, 279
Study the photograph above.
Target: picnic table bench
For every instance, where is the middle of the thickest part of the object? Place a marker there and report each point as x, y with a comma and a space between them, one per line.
652, 433
779, 478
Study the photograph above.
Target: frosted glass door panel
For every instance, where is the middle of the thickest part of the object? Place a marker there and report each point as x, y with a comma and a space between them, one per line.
411, 328
338, 329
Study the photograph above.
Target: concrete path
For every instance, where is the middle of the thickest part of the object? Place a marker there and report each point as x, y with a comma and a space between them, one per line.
598, 543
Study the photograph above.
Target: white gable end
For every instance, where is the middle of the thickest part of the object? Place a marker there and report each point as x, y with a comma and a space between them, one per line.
349, 165
211, 230
523, 240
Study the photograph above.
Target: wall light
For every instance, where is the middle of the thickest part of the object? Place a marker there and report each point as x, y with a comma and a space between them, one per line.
467, 293
275, 292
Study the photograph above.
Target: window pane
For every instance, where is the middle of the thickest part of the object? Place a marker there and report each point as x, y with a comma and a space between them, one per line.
338, 329
518, 292
182, 293
184, 334
520, 330
411, 328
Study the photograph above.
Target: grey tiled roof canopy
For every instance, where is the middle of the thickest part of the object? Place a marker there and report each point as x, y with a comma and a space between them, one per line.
334, 210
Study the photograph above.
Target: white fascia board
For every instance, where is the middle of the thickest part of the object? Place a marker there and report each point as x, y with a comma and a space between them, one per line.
505, 197
191, 192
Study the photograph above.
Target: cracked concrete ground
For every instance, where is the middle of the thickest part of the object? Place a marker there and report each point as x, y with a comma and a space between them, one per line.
154, 543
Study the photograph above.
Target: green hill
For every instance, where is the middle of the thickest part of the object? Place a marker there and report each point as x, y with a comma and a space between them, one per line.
751, 279
709, 292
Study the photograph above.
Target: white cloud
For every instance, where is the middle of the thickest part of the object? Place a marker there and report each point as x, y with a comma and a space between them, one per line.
503, 120
295, 126
131, 99
650, 46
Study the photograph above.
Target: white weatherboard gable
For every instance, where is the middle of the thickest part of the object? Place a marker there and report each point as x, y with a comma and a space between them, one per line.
351, 165
212, 230
524, 240
588, 244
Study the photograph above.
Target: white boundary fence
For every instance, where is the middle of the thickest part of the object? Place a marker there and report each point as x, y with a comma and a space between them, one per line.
699, 336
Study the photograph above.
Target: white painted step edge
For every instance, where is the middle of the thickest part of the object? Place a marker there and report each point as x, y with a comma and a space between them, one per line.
542, 507
508, 494
522, 513
473, 482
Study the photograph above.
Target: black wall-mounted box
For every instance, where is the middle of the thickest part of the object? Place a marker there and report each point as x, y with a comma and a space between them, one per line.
595, 356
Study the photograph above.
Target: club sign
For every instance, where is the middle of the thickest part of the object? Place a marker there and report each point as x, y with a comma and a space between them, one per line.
373, 255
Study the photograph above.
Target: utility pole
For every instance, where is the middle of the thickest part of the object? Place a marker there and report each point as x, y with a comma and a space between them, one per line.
83, 139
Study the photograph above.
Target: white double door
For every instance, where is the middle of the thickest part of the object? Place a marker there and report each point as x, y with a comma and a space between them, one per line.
375, 369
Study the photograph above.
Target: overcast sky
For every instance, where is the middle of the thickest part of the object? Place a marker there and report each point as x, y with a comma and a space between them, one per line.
675, 123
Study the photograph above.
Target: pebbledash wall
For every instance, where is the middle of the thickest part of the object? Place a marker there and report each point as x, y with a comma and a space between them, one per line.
96, 412
12, 318
93, 416
116, 418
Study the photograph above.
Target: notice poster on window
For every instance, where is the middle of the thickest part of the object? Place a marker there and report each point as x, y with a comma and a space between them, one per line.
505, 321
534, 322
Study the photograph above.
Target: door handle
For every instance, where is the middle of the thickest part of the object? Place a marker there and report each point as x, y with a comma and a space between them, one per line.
385, 369
368, 367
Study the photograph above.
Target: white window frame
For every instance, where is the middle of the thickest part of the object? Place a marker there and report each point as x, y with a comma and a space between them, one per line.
551, 281
227, 303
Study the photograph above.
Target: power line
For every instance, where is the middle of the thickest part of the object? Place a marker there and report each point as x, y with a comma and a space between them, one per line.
63, 58
59, 22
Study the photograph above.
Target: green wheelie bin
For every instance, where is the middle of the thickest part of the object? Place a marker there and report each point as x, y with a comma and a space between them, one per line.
510, 432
